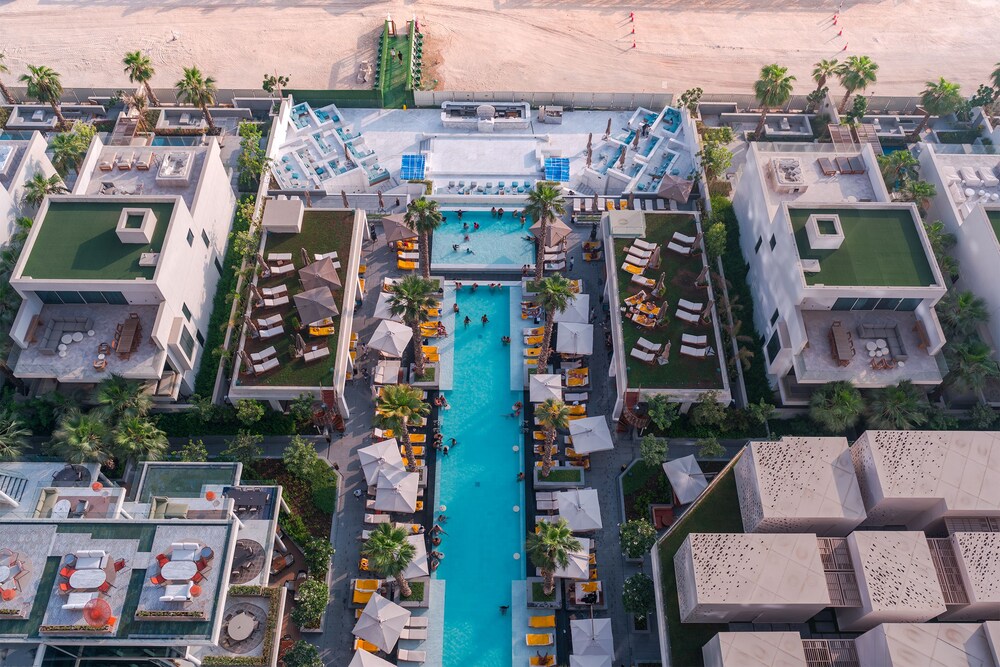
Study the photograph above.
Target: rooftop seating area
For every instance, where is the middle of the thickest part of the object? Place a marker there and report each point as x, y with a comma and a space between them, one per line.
149, 171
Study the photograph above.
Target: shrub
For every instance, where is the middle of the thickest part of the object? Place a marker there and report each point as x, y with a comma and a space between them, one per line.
709, 448
637, 537
653, 450
715, 240
301, 459
295, 528
982, 416
662, 412
637, 595
715, 159
318, 553
244, 448
302, 654
249, 411
313, 598
193, 452
709, 412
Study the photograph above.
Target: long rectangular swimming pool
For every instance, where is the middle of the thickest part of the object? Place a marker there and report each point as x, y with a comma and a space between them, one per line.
477, 484
499, 243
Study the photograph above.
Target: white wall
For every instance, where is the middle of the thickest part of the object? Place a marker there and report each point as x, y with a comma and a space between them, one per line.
33, 160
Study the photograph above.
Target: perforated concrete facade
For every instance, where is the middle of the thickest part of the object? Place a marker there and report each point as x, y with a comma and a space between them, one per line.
799, 485
978, 556
754, 649
916, 478
926, 645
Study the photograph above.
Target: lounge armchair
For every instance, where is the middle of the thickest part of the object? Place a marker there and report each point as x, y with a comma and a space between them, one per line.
540, 639
266, 366
274, 303
649, 346
690, 318
555, 266
258, 357
696, 352
634, 270
679, 249
690, 339
281, 269
645, 245
417, 622
411, 656
690, 305
547, 621
405, 265
271, 292
641, 262
413, 633
682, 238
268, 322
272, 332
644, 281
642, 356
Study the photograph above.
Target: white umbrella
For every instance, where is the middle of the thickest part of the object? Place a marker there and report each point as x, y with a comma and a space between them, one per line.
396, 491
390, 338
418, 567
590, 661
581, 508
592, 636
578, 310
686, 478
542, 387
575, 338
381, 622
386, 371
579, 563
591, 434
380, 456
366, 659
382, 309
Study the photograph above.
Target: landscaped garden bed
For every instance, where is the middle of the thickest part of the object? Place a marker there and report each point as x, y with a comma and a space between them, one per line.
312, 503
644, 485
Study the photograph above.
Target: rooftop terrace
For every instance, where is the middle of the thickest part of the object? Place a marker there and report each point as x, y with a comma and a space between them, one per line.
11, 153
881, 248
814, 187
173, 170
77, 241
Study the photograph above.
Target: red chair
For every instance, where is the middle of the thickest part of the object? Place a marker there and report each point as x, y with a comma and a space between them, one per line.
64, 587
157, 580
201, 564
119, 565
104, 588
197, 578
66, 572
161, 559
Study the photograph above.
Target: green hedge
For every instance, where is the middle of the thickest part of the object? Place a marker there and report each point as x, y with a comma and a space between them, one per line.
346, 99
223, 422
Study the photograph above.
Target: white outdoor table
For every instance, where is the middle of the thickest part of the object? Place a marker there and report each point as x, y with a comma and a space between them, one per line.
84, 579
179, 570
61, 509
240, 627
4, 573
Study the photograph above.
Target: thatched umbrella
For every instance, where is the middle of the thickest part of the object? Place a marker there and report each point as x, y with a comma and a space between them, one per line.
305, 257
707, 313
702, 277
659, 283
256, 291
590, 155
665, 355
343, 196
309, 201
596, 203
260, 260
251, 327
654, 259
320, 274
607, 130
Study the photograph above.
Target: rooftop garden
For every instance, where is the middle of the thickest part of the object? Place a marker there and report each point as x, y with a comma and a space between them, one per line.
881, 247
183, 481
322, 232
680, 274
717, 511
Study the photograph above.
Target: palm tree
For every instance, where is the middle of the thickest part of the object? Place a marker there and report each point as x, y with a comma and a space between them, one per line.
141, 105
13, 436
919, 192
120, 398
423, 217
3, 89
857, 73
549, 548
995, 78
137, 437
409, 299
67, 151
897, 167
836, 406
939, 98
44, 85
139, 68
972, 365
554, 296
772, 89
545, 202
552, 414
901, 407
198, 90
389, 553
80, 438
941, 243
39, 187
398, 405
961, 313
823, 70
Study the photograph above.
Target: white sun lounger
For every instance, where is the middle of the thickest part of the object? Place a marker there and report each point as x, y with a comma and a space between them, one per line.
322, 255
687, 317
269, 322
555, 257
969, 177
546, 505
645, 245
636, 261
690, 305
690, 339
279, 256
696, 352
643, 280
989, 180
272, 332
642, 356
639, 252
647, 345
281, 270
683, 238
258, 357
376, 518
417, 622
413, 633
679, 249
541, 496
555, 266
409, 256
411, 656
270, 292
265, 366
274, 303
572, 398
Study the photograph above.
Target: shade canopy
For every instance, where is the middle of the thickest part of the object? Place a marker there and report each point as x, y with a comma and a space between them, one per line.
579, 563
396, 491
581, 508
555, 231
396, 229
578, 310
419, 566
390, 338
381, 622
543, 387
387, 371
366, 659
321, 273
590, 661
575, 338
591, 434
592, 636
382, 309
675, 187
686, 478
315, 305
380, 456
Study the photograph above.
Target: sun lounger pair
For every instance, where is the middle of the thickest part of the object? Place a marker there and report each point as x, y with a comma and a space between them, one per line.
690, 339
649, 346
278, 301
593, 256
411, 656
690, 318
683, 238
272, 332
679, 249
265, 366
690, 305
316, 354
269, 322
323, 255
696, 352
282, 269
647, 357
271, 292
258, 357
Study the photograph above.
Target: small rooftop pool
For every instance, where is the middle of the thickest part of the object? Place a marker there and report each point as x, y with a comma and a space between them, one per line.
498, 243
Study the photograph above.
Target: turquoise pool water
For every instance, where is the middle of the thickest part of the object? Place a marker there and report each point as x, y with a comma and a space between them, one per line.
477, 482
498, 243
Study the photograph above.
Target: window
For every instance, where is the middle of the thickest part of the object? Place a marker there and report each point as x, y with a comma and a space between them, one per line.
49, 298
760, 241
186, 311
773, 346
773, 242
201, 339
187, 343
218, 265
774, 317
115, 298
70, 297
190, 238
204, 237
93, 297
908, 305
61, 297
887, 304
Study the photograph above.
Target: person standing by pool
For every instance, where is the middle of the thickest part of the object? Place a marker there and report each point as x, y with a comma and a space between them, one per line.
454, 306
467, 322
493, 211
486, 320
500, 212
459, 213
523, 218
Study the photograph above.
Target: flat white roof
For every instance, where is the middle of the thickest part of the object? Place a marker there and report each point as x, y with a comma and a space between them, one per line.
818, 188
895, 571
928, 645
758, 569
960, 467
759, 649
807, 477
979, 554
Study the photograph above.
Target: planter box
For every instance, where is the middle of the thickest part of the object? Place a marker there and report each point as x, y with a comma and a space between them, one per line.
648, 622
429, 384
416, 604
560, 472
555, 603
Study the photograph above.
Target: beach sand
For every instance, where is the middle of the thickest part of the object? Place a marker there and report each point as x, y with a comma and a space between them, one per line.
528, 45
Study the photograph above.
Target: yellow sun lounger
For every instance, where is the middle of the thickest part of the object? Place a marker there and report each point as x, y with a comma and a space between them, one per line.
367, 585
432, 358
429, 349
593, 256
362, 645
320, 331
542, 621
576, 382
533, 340
540, 449
631, 268
539, 435
579, 372
362, 597
532, 352
405, 265
577, 409
417, 451
534, 331
432, 312
418, 437
540, 639
419, 463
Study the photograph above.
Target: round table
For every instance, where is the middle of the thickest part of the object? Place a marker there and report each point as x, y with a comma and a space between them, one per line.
61, 347
969, 192
61, 509
67, 338
4, 573
179, 570
240, 627
102, 356
880, 342
78, 336
872, 353
62, 353
91, 333
84, 579
871, 345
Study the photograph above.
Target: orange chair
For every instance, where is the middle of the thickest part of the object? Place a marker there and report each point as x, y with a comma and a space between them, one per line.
64, 586
161, 559
157, 580
198, 577
66, 572
119, 565
104, 588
